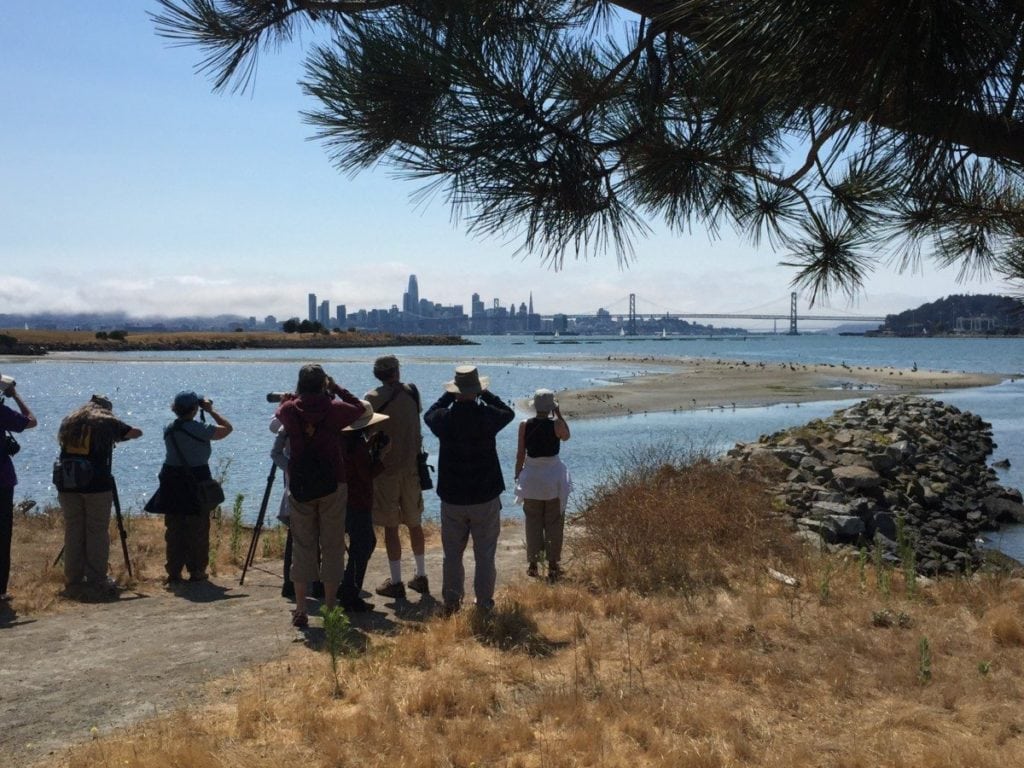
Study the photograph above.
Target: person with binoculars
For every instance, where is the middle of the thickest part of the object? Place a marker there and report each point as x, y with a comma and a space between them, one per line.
10, 421
181, 498
313, 419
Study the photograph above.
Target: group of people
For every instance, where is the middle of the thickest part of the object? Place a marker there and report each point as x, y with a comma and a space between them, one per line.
349, 464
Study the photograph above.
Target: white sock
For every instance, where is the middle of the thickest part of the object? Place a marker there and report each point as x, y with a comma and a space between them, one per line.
396, 571
421, 565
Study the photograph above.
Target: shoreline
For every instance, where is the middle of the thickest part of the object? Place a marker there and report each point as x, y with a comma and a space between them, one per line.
698, 384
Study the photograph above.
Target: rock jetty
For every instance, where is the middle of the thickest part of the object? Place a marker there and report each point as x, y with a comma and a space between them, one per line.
907, 475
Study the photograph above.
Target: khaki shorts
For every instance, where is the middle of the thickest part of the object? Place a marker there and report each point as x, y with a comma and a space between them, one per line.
398, 500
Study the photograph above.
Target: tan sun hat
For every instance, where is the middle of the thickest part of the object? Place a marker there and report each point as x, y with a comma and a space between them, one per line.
467, 381
368, 419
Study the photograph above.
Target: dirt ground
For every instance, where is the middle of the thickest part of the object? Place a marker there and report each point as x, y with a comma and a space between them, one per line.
69, 675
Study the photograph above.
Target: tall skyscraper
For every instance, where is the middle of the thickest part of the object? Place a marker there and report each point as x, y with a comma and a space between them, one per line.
324, 318
312, 308
411, 301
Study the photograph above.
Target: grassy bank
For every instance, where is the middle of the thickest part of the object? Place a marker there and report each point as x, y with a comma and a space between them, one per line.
677, 642
34, 342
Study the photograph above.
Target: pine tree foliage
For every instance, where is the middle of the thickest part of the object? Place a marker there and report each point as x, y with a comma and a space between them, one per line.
844, 132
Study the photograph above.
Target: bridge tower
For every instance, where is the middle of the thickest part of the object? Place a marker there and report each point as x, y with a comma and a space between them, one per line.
632, 314
792, 314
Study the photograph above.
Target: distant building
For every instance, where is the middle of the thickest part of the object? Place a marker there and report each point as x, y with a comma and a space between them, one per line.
411, 298
312, 308
341, 315
324, 316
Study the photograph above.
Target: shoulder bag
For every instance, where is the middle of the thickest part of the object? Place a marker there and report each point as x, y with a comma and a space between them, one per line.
208, 492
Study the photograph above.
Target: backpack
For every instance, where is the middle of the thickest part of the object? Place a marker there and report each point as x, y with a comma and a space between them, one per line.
311, 476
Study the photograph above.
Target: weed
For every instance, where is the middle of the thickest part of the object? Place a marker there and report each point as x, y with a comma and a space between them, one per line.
908, 555
984, 668
924, 661
337, 629
235, 543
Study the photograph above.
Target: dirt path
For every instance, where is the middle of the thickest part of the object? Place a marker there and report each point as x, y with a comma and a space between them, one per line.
110, 664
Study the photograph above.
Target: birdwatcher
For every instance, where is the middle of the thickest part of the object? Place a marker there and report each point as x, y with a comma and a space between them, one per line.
10, 421
543, 483
467, 419
86, 491
397, 496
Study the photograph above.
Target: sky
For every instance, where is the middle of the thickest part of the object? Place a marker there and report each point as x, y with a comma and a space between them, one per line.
127, 184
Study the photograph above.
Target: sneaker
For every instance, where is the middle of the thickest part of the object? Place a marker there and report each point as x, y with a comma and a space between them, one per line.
300, 620
389, 588
450, 609
6, 597
531, 571
420, 584
198, 577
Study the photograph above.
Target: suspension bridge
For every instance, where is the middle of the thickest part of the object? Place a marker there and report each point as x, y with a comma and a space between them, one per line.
629, 320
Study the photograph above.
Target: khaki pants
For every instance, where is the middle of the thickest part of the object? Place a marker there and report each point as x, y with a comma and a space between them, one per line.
544, 526
86, 536
320, 521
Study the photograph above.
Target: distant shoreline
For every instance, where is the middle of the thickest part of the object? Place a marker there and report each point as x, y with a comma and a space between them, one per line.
36, 343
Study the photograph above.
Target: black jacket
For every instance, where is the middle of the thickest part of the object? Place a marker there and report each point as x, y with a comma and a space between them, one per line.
468, 471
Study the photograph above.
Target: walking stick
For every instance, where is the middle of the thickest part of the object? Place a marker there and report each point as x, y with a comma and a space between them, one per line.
259, 523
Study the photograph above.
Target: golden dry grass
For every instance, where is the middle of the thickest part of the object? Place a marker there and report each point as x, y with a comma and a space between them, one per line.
829, 672
783, 680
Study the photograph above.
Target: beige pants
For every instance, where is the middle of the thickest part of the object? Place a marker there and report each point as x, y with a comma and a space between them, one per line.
86, 535
318, 527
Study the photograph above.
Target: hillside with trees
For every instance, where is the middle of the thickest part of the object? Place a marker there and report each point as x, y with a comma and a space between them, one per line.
983, 314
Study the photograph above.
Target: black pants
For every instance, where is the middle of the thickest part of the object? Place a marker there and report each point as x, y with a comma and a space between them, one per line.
361, 543
6, 531
188, 544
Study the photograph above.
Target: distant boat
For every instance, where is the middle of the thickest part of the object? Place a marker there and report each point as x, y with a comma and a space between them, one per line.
622, 331
663, 334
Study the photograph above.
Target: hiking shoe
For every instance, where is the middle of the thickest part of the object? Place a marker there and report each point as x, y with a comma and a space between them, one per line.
394, 589
554, 573
531, 571
300, 620
420, 584
198, 577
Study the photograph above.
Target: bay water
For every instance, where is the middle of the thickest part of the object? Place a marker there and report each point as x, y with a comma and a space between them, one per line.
142, 386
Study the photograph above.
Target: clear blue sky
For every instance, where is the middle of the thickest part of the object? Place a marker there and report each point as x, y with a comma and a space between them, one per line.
125, 183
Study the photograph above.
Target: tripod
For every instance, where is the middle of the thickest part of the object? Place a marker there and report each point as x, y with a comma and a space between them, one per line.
251, 555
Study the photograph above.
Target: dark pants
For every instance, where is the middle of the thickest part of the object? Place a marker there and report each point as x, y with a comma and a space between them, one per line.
188, 544
361, 543
6, 532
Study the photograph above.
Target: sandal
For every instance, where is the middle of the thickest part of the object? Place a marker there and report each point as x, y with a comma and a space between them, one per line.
300, 620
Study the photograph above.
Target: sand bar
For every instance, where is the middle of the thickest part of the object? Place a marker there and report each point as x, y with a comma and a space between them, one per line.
702, 384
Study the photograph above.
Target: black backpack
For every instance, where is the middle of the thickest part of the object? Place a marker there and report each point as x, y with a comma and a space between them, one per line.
311, 476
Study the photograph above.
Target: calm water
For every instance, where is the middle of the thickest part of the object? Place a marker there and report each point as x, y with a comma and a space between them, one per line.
142, 388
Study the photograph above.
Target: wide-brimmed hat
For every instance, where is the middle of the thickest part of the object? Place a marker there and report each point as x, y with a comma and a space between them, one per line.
368, 419
467, 381
543, 400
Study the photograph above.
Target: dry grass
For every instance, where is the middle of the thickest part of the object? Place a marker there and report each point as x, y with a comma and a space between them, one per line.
754, 673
